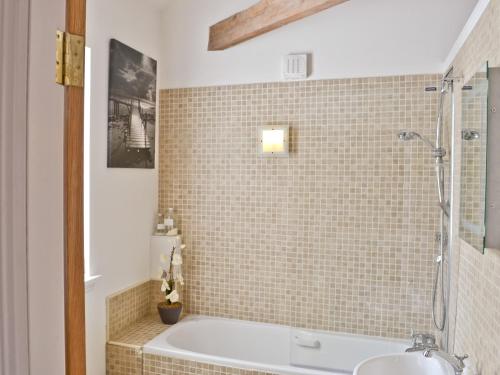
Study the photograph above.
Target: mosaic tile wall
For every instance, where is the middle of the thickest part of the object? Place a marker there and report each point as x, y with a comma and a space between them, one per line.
476, 281
158, 365
478, 313
338, 236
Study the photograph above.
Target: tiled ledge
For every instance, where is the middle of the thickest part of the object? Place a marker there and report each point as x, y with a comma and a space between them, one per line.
124, 353
132, 320
130, 307
140, 332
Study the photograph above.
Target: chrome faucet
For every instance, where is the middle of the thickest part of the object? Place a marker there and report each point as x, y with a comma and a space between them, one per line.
457, 362
421, 342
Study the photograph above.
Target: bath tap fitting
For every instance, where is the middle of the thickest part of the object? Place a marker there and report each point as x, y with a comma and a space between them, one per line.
457, 362
422, 342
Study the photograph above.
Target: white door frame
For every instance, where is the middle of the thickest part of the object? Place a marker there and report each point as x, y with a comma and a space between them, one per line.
14, 25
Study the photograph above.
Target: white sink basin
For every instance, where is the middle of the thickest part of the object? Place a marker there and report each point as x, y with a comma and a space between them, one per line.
404, 364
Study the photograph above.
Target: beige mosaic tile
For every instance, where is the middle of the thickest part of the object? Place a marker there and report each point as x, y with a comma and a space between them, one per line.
158, 365
132, 313
132, 321
475, 318
478, 312
339, 235
126, 307
142, 331
156, 296
122, 360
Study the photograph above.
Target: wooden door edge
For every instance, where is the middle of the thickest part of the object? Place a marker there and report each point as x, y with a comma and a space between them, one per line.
74, 288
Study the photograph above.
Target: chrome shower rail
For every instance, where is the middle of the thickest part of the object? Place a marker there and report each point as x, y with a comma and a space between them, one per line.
438, 153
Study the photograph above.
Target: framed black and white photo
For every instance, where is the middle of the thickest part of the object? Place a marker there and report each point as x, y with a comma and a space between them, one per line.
131, 108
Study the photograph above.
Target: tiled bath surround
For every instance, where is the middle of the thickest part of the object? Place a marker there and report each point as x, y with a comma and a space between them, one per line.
158, 365
123, 360
132, 320
338, 236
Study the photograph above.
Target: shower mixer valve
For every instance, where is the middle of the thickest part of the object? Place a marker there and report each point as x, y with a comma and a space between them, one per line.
422, 342
444, 237
426, 343
439, 152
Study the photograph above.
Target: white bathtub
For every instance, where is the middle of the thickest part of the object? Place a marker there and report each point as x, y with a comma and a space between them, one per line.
268, 347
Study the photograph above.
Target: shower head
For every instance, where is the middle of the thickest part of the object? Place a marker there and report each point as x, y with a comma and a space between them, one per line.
405, 135
470, 135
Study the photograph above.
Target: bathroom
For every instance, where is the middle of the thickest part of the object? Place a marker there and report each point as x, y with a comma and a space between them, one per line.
330, 183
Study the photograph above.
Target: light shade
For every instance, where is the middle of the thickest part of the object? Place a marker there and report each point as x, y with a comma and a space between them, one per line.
274, 140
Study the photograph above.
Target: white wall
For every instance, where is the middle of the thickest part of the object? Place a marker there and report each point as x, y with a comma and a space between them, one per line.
123, 201
45, 193
359, 38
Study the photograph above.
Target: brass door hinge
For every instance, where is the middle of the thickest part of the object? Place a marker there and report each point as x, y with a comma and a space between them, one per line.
70, 55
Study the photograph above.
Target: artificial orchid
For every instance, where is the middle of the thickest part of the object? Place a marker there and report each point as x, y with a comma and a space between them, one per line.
173, 297
172, 275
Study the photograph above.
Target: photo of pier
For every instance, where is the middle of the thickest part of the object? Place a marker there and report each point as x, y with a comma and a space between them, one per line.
131, 108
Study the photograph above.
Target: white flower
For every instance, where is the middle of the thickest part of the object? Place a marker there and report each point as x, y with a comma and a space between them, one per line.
180, 279
164, 258
165, 286
173, 296
177, 260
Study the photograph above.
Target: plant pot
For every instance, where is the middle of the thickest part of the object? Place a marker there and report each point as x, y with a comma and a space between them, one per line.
169, 314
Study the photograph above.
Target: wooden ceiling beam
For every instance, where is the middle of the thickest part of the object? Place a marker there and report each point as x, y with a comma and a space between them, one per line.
261, 18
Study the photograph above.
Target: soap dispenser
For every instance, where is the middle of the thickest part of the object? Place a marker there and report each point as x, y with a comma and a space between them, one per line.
169, 220
160, 226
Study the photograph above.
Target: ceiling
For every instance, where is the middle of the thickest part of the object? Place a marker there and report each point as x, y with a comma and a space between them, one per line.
438, 22
358, 38
160, 4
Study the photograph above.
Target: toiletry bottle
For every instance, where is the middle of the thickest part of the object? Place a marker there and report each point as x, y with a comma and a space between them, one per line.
160, 226
169, 220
